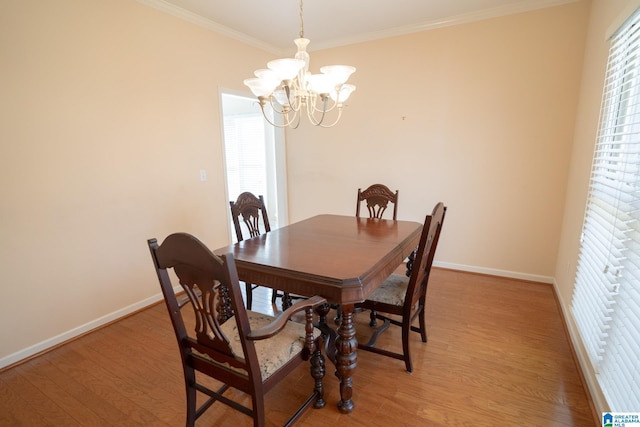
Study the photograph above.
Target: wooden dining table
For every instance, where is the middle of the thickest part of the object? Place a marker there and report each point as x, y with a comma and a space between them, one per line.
341, 258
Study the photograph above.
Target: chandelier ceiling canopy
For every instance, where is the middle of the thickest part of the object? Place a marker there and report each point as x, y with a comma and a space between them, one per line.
287, 86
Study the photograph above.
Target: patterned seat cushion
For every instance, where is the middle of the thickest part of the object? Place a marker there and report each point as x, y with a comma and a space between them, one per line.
392, 291
272, 352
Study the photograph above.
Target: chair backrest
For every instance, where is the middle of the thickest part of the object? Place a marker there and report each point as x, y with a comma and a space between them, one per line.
212, 285
251, 208
424, 255
378, 197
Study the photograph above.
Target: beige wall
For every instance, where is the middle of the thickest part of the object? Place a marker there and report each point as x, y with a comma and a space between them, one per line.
606, 16
109, 109
480, 116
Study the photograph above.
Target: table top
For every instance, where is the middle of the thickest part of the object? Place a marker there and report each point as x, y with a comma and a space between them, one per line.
342, 258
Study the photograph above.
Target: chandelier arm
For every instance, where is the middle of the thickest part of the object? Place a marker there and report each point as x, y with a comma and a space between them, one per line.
291, 120
274, 107
287, 121
264, 114
322, 125
287, 91
297, 119
311, 110
324, 110
313, 120
296, 105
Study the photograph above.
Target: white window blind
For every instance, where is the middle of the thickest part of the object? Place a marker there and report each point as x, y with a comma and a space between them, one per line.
254, 156
245, 154
606, 299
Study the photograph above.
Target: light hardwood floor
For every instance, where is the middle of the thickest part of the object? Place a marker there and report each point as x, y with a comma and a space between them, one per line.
497, 355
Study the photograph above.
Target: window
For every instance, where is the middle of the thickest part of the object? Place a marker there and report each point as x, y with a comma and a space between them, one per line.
254, 156
606, 299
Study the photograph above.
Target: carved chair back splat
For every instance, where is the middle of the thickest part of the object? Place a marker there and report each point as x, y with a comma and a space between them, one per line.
377, 198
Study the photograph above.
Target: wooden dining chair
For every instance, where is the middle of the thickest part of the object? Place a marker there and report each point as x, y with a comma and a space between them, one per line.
377, 198
404, 296
254, 216
252, 209
219, 338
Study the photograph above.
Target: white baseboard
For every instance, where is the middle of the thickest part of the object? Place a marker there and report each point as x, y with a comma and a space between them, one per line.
494, 272
76, 332
595, 391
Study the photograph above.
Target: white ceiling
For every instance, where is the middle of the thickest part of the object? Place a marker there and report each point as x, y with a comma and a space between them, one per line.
273, 24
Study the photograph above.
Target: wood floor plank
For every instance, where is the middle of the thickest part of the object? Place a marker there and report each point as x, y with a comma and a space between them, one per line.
30, 406
64, 391
497, 354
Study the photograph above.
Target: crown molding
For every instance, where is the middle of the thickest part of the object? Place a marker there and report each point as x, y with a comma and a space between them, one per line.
511, 9
194, 18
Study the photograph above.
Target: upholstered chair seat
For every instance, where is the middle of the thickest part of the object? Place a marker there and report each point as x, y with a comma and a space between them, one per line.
392, 291
274, 352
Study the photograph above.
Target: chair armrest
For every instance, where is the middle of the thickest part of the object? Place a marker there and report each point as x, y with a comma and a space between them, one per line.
276, 326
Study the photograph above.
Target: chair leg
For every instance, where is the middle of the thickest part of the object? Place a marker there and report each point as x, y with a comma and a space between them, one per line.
406, 329
423, 325
373, 321
338, 319
249, 291
317, 372
286, 301
190, 381
258, 408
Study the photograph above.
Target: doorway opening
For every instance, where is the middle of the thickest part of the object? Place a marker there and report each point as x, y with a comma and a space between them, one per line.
254, 155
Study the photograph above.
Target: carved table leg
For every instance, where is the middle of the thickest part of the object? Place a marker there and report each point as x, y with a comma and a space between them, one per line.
346, 358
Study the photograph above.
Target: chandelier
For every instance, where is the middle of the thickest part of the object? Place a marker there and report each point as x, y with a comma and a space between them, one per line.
292, 91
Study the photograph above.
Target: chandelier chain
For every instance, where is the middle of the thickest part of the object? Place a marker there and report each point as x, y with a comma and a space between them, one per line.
301, 21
